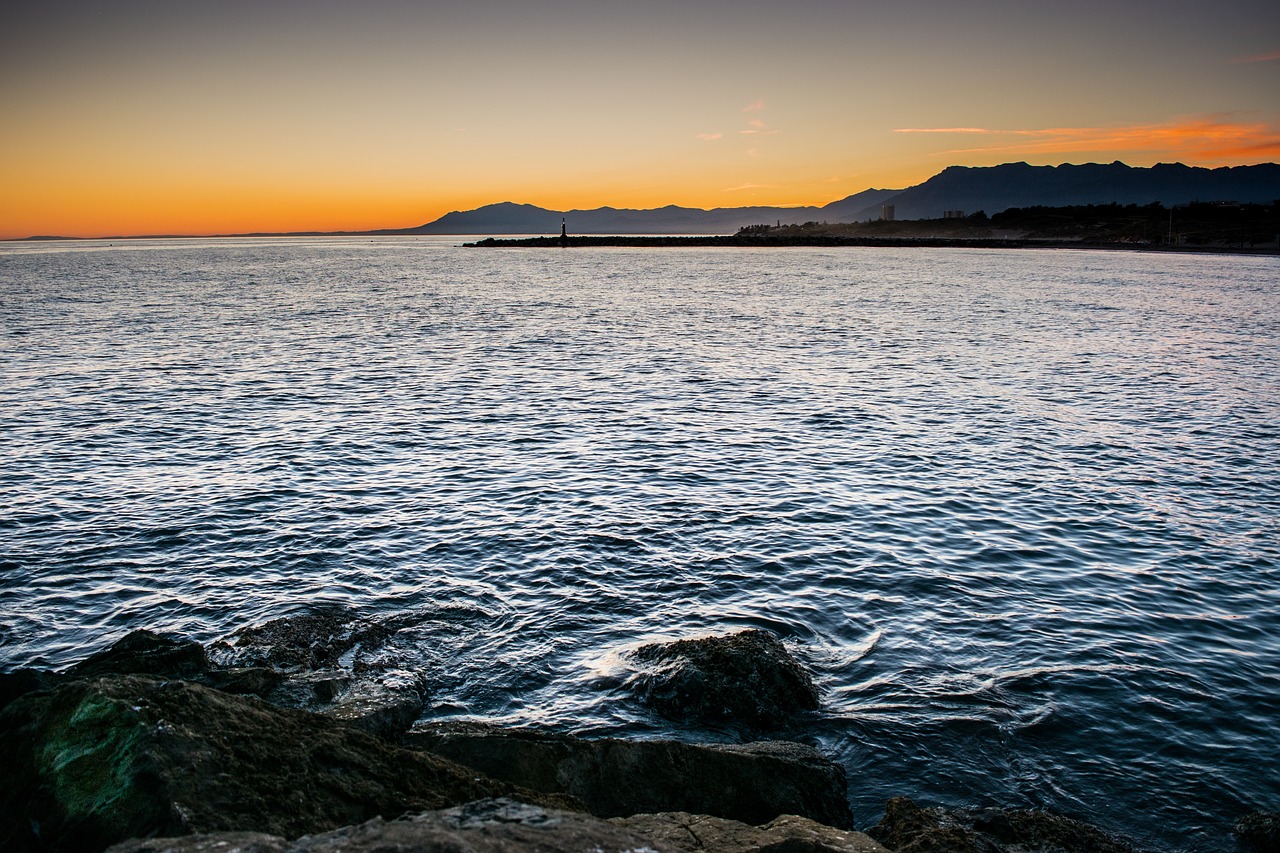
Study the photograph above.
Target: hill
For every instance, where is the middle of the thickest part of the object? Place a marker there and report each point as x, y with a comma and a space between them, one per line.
997, 188
969, 189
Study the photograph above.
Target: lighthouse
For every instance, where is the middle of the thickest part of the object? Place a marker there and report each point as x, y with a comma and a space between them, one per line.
564, 235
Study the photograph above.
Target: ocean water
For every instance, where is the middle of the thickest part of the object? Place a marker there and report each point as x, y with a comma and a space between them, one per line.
1019, 511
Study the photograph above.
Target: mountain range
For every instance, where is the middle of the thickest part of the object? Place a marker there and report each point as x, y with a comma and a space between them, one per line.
969, 189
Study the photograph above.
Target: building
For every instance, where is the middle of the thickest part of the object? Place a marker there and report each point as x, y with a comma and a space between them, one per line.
953, 214
886, 213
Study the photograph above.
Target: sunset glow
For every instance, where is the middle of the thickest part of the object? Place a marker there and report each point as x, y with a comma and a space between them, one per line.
144, 118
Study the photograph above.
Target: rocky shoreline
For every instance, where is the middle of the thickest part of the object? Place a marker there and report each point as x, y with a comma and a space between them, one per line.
269, 743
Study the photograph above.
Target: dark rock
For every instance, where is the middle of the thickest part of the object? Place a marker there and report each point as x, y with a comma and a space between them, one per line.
505, 826
787, 834
908, 828
309, 641
97, 761
487, 826
753, 783
20, 682
309, 691
1026, 829
257, 681
213, 842
378, 709
748, 678
145, 653
1259, 832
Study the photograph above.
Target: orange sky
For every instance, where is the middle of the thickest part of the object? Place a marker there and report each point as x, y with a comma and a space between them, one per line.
141, 117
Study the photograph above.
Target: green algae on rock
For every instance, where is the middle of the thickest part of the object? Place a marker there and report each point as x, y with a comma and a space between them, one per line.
98, 761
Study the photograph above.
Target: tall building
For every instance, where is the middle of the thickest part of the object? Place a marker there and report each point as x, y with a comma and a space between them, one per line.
886, 213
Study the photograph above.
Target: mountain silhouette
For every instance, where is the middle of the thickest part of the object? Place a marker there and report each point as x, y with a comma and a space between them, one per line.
965, 188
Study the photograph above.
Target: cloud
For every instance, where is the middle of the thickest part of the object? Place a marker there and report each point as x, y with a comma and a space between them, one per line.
1261, 57
754, 106
758, 127
750, 187
1213, 137
707, 137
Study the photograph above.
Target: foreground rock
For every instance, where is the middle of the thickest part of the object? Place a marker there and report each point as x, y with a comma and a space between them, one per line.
786, 834
748, 678
504, 825
97, 761
908, 828
385, 706
753, 783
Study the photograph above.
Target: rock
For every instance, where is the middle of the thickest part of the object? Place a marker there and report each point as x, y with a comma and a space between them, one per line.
505, 826
1026, 829
378, 709
488, 826
747, 678
257, 681
1259, 832
787, 834
215, 842
20, 682
908, 828
309, 641
138, 652
145, 653
752, 783
97, 761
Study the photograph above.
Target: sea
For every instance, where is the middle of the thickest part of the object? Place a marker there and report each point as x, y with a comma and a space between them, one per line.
1017, 511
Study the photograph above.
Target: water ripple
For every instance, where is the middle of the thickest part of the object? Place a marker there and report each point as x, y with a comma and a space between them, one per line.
1018, 511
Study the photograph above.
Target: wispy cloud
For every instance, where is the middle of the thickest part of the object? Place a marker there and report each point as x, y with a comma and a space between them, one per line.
757, 126
754, 106
1261, 57
741, 187
707, 137
1213, 137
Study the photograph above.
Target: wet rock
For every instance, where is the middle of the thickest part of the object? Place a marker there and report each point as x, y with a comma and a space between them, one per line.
145, 653
379, 709
1259, 832
310, 691
753, 783
908, 828
97, 761
748, 678
489, 826
787, 834
309, 641
138, 652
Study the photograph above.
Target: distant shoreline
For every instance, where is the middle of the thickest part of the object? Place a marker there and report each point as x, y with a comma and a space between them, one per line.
746, 240
825, 240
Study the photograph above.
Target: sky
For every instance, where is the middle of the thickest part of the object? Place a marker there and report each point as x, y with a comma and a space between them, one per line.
223, 116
